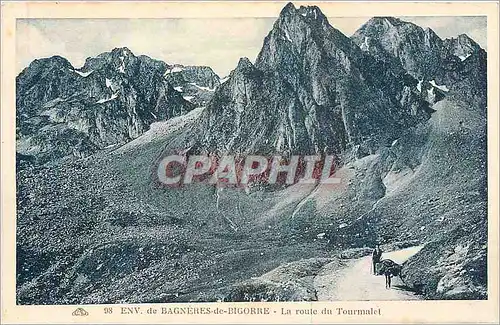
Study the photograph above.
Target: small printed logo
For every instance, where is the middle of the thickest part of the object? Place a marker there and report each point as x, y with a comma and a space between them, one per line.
80, 312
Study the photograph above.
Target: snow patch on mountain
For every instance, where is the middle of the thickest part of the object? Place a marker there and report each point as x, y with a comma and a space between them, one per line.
104, 100
463, 57
51, 103
431, 95
287, 35
365, 46
121, 69
109, 147
83, 74
201, 87
173, 70
443, 87
419, 85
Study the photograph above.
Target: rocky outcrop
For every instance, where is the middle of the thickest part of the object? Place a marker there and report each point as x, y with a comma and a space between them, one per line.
453, 267
311, 90
418, 50
455, 66
453, 264
288, 282
461, 46
196, 83
112, 99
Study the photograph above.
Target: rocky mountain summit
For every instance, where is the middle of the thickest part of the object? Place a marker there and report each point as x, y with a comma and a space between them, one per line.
112, 99
393, 40
196, 83
455, 64
314, 90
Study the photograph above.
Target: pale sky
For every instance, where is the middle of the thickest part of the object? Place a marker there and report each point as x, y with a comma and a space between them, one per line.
215, 42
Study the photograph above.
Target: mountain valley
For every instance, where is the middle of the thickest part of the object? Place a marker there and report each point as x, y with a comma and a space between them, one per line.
402, 110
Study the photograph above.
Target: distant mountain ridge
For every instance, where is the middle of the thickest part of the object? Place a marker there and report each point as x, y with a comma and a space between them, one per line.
314, 90
112, 99
339, 93
458, 63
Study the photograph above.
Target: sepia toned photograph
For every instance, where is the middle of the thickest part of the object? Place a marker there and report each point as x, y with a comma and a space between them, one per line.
295, 156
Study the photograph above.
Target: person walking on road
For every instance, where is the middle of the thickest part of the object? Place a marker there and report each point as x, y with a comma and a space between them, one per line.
376, 257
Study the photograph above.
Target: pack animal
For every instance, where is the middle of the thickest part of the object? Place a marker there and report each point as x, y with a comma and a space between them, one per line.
388, 268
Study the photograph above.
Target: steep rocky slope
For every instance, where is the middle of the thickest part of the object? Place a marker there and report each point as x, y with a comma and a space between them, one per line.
436, 176
311, 90
418, 50
456, 64
196, 83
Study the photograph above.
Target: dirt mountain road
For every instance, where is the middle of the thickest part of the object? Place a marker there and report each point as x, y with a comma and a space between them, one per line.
356, 282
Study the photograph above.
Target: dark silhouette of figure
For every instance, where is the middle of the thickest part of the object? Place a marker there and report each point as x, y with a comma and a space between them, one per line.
376, 256
388, 276
388, 268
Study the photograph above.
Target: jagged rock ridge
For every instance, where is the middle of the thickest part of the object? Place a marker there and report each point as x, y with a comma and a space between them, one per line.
112, 99
311, 90
456, 65
196, 83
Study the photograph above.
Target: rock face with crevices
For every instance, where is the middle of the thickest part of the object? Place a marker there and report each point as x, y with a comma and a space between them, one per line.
111, 100
456, 64
453, 267
312, 90
196, 83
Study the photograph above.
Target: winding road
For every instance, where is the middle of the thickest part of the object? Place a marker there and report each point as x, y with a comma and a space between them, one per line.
355, 280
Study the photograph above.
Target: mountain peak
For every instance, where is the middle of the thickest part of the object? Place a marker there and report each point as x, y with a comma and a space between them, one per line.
244, 63
289, 8
432, 36
390, 20
312, 12
462, 46
123, 51
308, 12
419, 51
55, 60
387, 22
296, 30
467, 39
53, 63
244, 66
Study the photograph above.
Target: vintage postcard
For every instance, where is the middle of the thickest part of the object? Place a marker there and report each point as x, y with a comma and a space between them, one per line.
249, 162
